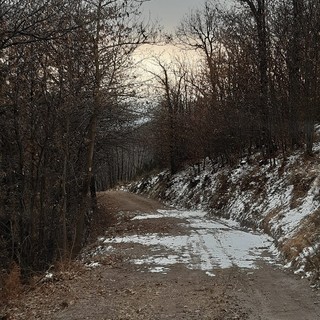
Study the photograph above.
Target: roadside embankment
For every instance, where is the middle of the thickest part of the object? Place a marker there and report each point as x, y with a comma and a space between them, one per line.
282, 200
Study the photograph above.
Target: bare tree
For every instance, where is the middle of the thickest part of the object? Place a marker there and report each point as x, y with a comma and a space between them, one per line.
116, 33
201, 31
173, 111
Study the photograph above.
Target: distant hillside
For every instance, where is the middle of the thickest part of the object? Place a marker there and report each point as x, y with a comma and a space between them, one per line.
282, 200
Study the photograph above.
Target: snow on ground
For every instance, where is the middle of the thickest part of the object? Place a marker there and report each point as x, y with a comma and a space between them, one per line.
206, 245
282, 200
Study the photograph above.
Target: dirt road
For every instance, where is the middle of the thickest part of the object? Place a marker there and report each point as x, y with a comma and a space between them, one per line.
156, 263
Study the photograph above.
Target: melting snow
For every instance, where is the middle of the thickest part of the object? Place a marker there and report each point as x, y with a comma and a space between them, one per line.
207, 244
93, 265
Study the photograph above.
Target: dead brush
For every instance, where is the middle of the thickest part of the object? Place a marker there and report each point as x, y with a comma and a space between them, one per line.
308, 234
11, 284
67, 270
301, 186
255, 183
222, 195
281, 169
313, 265
265, 224
249, 181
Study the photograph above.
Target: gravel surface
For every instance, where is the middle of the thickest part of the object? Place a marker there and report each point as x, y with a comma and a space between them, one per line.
106, 284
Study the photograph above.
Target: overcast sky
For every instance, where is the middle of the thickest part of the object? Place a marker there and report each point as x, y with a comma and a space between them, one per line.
169, 13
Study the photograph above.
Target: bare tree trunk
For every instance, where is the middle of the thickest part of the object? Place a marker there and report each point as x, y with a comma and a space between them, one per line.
64, 196
294, 63
311, 76
85, 193
91, 137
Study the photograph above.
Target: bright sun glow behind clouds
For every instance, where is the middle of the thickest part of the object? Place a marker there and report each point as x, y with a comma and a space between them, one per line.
169, 14
167, 53
147, 59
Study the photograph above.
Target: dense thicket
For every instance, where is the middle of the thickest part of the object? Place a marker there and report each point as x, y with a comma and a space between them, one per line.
256, 87
64, 85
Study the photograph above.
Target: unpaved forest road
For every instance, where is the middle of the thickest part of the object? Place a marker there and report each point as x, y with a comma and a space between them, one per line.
120, 289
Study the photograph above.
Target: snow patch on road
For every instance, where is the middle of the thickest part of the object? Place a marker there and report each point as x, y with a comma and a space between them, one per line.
206, 245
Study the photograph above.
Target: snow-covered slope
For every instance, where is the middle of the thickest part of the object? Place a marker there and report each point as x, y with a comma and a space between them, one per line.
283, 200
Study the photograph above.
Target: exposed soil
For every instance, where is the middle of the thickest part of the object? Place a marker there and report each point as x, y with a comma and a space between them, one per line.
118, 289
